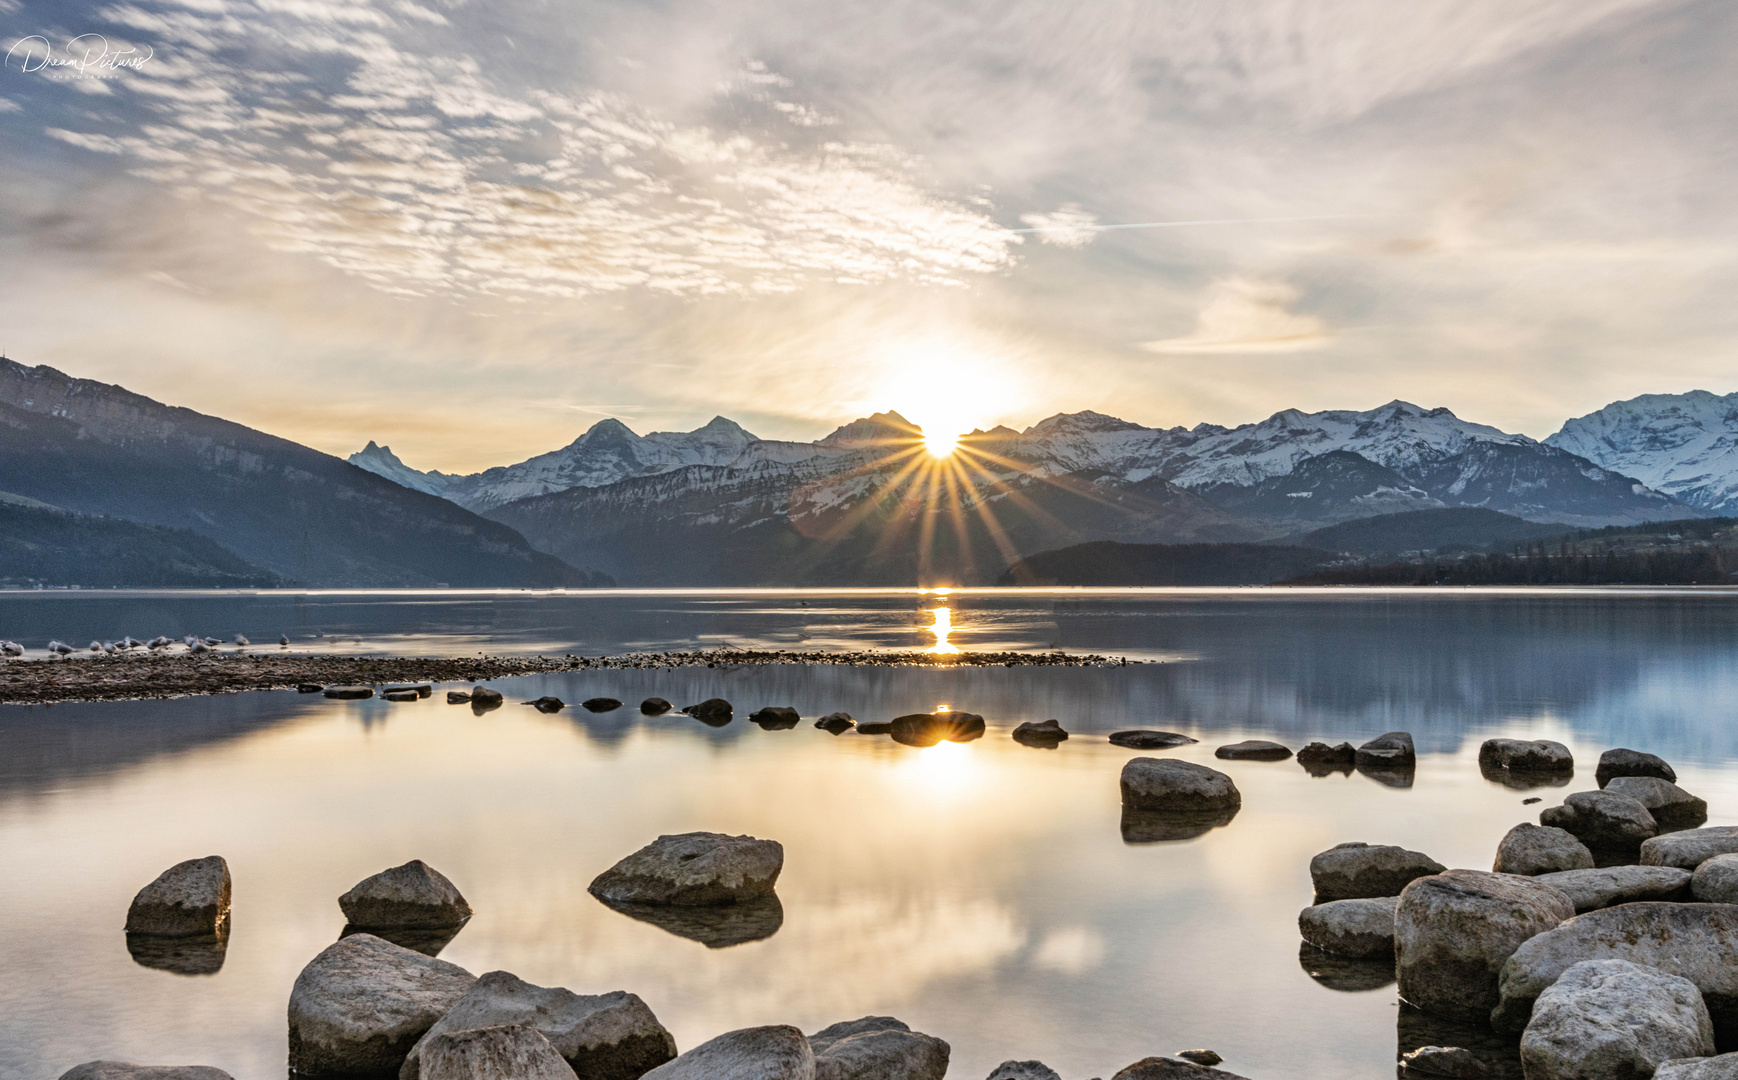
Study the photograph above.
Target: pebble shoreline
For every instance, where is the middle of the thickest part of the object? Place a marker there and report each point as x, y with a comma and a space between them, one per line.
139, 677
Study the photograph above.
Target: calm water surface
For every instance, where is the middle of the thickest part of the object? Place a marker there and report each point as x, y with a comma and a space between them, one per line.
981, 892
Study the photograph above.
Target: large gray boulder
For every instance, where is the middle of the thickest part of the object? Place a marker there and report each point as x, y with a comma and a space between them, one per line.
1672, 806
610, 1036
698, 869
362, 1004
1391, 751
1356, 870
1350, 927
1454, 930
1716, 880
764, 1053
1165, 784
508, 1052
1690, 848
1590, 890
190, 899
126, 1070
1023, 1070
1602, 820
1522, 755
1696, 941
412, 896
1613, 1019
1723, 1067
1157, 1068
1620, 762
877, 1048
1530, 849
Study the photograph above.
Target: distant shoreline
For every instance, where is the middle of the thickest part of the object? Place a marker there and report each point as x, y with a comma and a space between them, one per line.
143, 677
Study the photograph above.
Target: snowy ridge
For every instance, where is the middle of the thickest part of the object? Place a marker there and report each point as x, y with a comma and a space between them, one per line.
1685, 445
381, 461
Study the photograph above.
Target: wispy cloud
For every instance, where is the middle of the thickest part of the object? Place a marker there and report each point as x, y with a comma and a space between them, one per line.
1248, 315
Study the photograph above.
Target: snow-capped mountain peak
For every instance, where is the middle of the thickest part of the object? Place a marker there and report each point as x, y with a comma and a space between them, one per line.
1685, 445
381, 461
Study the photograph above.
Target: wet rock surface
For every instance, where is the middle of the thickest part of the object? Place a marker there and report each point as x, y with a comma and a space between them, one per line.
1530, 849
1253, 750
1147, 739
696, 869
507, 1052
764, 1053
1690, 848
1671, 806
1590, 890
1167, 785
1621, 762
412, 896
190, 899
1613, 1018
362, 1004
1453, 932
1356, 870
877, 1048
1363, 927
126, 1070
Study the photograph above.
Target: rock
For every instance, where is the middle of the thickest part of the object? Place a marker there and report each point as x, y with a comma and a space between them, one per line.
875, 727
1589, 890
483, 699
1723, 1067
1356, 871
715, 712
349, 693
1167, 785
360, 1006
547, 704
610, 1036
1454, 930
1616, 763
600, 704
1716, 880
301, 688
762, 1053
1671, 806
927, 729
414, 895
1451, 1061
126, 1070
399, 695
836, 723
1253, 750
877, 1048
1023, 1070
1696, 941
1393, 750
190, 899
1396, 776
713, 927
1347, 974
654, 706
1145, 739
426, 940
1530, 849
775, 717
1690, 848
202, 955
505, 1052
1046, 734
419, 689
1320, 759
1362, 927
1155, 1068
458, 697
1200, 1057
1157, 826
1601, 819
1612, 1018
1520, 755
697, 869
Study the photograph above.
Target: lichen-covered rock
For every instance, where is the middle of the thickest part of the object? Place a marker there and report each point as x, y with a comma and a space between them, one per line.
1672, 806
359, 1006
1253, 750
1147, 739
764, 1053
1350, 927
1590, 890
507, 1052
1690, 848
1172, 786
412, 896
1454, 930
877, 1048
126, 1070
1023, 1070
1530, 849
1157, 1068
1716, 880
1612, 1018
1602, 819
610, 1036
190, 899
1697, 941
697, 869
1391, 751
1522, 755
1723, 1067
1616, 763
1356, 871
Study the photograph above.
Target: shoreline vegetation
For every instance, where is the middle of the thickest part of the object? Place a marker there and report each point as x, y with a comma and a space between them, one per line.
131, 678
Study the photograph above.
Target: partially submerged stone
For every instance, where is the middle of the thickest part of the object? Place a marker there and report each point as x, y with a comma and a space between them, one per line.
1393, 750
714, 712
1046, 734
1449, 1061
610, 1036
547, 704
190, 899
349, 693
399, 695
1363, 927
1530, 849
1200, 1057
877, 1048
775, 718
1671, 806
414, 895
1523, 755
1346, 974
1613, 1018
483, 699
1321, 759
1355, 871
126, 1070
654, 706
1621, 762
778, 1052
507, 1052
1590, 890
698, 869
1453, 932
362, 1004
1157, 1068
600, 704
458, 697
927, 729
1147, 739
1690, 848
1253, 750
1168, 785
201, 955
1602, 819
836, 723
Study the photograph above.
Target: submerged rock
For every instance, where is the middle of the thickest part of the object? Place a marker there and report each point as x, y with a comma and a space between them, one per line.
412, 896
1530, 849
201, 955
1453, 932
458, 697
400, 695
1347, 974
763, 1053
1145, 739
505, 1052
1449, 1061
547, 704
1498, 1052
1168, 785
1156, 1068
1253, 750
1602, 819
1362, 927
610, 1036
1393, 750
875, 727
1590, 890
1356, 871
1521, 755
1723, 1067
190, 899
1320, 759
349, 693
775, 718
655, 706
1612, 1018
362, 1004
1046, 734
877, 1048
1616, 763
1716, 880
421, 690
715, 712
310, 688
836, 723
1160, 826
126, 1070
1690, 848
1023, 1070
1671, 806
483, 699
713, 927
697, 869
927, 729
600, 704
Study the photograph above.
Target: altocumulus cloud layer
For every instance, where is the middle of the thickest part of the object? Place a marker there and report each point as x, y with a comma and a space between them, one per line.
794, 212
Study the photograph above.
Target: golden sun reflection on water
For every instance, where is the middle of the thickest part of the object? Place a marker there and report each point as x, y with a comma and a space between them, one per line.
941, 628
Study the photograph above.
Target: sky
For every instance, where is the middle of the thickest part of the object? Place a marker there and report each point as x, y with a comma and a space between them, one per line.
470, 230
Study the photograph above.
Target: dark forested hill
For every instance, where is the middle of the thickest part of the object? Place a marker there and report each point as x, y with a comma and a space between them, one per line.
40, 546
1110, 564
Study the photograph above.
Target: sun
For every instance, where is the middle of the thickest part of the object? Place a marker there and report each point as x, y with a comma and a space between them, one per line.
940, 443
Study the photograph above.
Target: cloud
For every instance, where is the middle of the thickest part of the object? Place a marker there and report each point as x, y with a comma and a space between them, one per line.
1246, 315
1067, 227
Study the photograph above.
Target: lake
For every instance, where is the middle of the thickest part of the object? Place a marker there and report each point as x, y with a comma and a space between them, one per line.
982, 892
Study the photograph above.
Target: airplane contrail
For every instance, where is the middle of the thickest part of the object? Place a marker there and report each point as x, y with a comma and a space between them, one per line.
1179, 224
